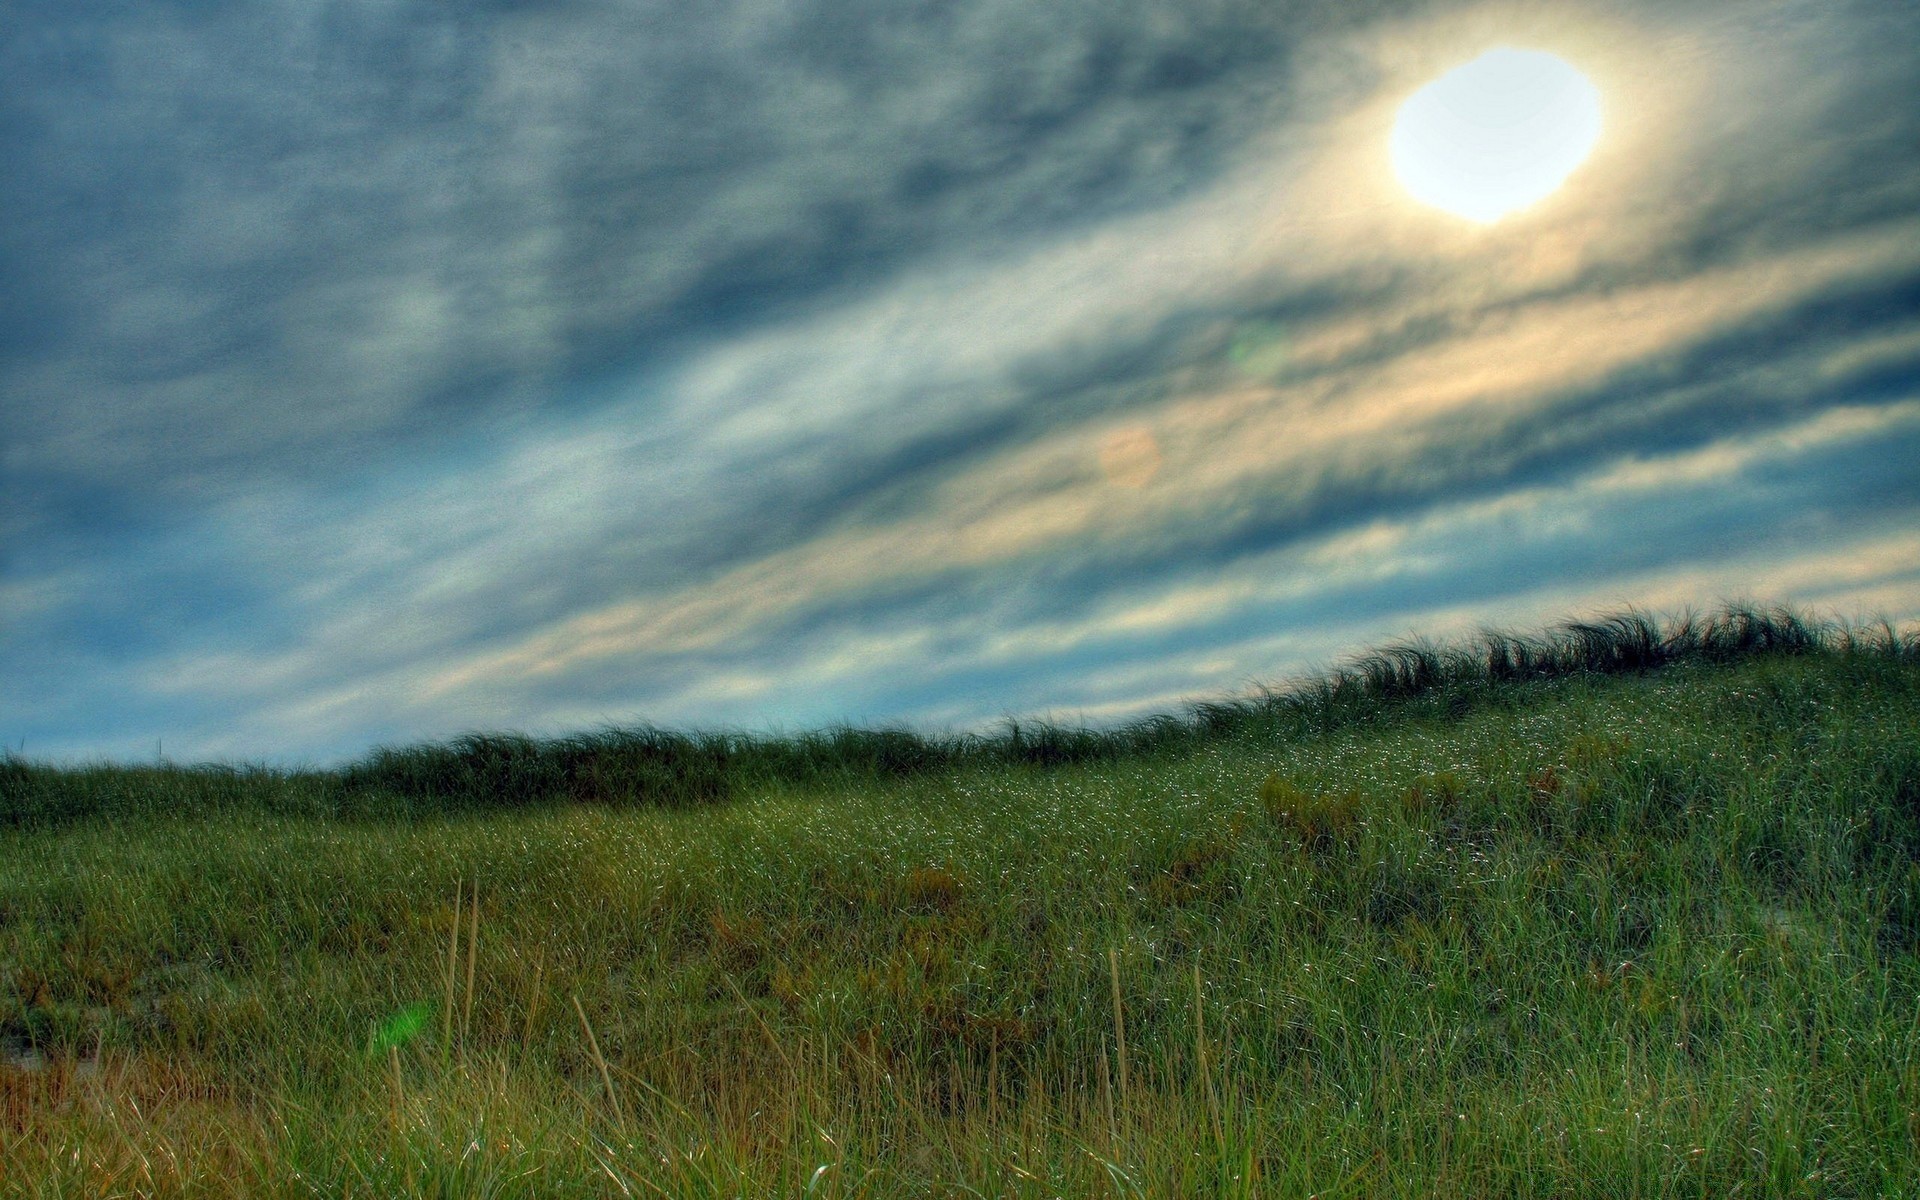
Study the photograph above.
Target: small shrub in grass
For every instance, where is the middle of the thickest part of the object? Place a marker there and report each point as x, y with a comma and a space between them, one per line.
1316, 818
1544, 788
1439, 790
739, 942
1558, 817
1593, 753
1420, 935
1282, 797
1200, 871
930, 889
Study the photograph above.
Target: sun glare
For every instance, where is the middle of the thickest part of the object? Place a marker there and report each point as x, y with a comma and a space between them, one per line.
1495, 135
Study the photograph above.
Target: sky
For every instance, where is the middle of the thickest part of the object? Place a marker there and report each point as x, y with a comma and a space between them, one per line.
373, 371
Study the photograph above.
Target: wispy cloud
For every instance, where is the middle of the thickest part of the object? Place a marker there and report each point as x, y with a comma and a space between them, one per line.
1286, 448
763, 363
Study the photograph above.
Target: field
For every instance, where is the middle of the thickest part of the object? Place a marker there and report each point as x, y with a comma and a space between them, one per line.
1629, 910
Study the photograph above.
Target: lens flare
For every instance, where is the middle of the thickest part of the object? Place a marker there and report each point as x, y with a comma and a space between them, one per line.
400, 1028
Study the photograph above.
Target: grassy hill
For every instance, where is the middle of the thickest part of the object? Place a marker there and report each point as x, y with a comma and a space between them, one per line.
1625, 911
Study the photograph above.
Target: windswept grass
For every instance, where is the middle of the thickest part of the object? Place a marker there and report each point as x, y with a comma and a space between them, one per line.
1630, 909
648, 767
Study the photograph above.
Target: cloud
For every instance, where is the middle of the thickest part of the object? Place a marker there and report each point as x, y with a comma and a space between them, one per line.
278, 242
1282, 449
516, 364
1589, 544
729, 644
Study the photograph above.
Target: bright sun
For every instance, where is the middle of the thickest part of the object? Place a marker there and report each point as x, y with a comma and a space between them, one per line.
1495, 135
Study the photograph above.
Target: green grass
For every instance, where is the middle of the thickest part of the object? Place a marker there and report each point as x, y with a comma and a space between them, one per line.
1626, 911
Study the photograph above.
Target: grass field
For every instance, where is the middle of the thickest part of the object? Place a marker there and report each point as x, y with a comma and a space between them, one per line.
1630, 910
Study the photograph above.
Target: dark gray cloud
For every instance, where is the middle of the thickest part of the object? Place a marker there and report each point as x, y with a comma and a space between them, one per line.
252, 240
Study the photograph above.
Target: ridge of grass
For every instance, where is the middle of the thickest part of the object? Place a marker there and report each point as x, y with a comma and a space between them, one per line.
488, 771
1628, 916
